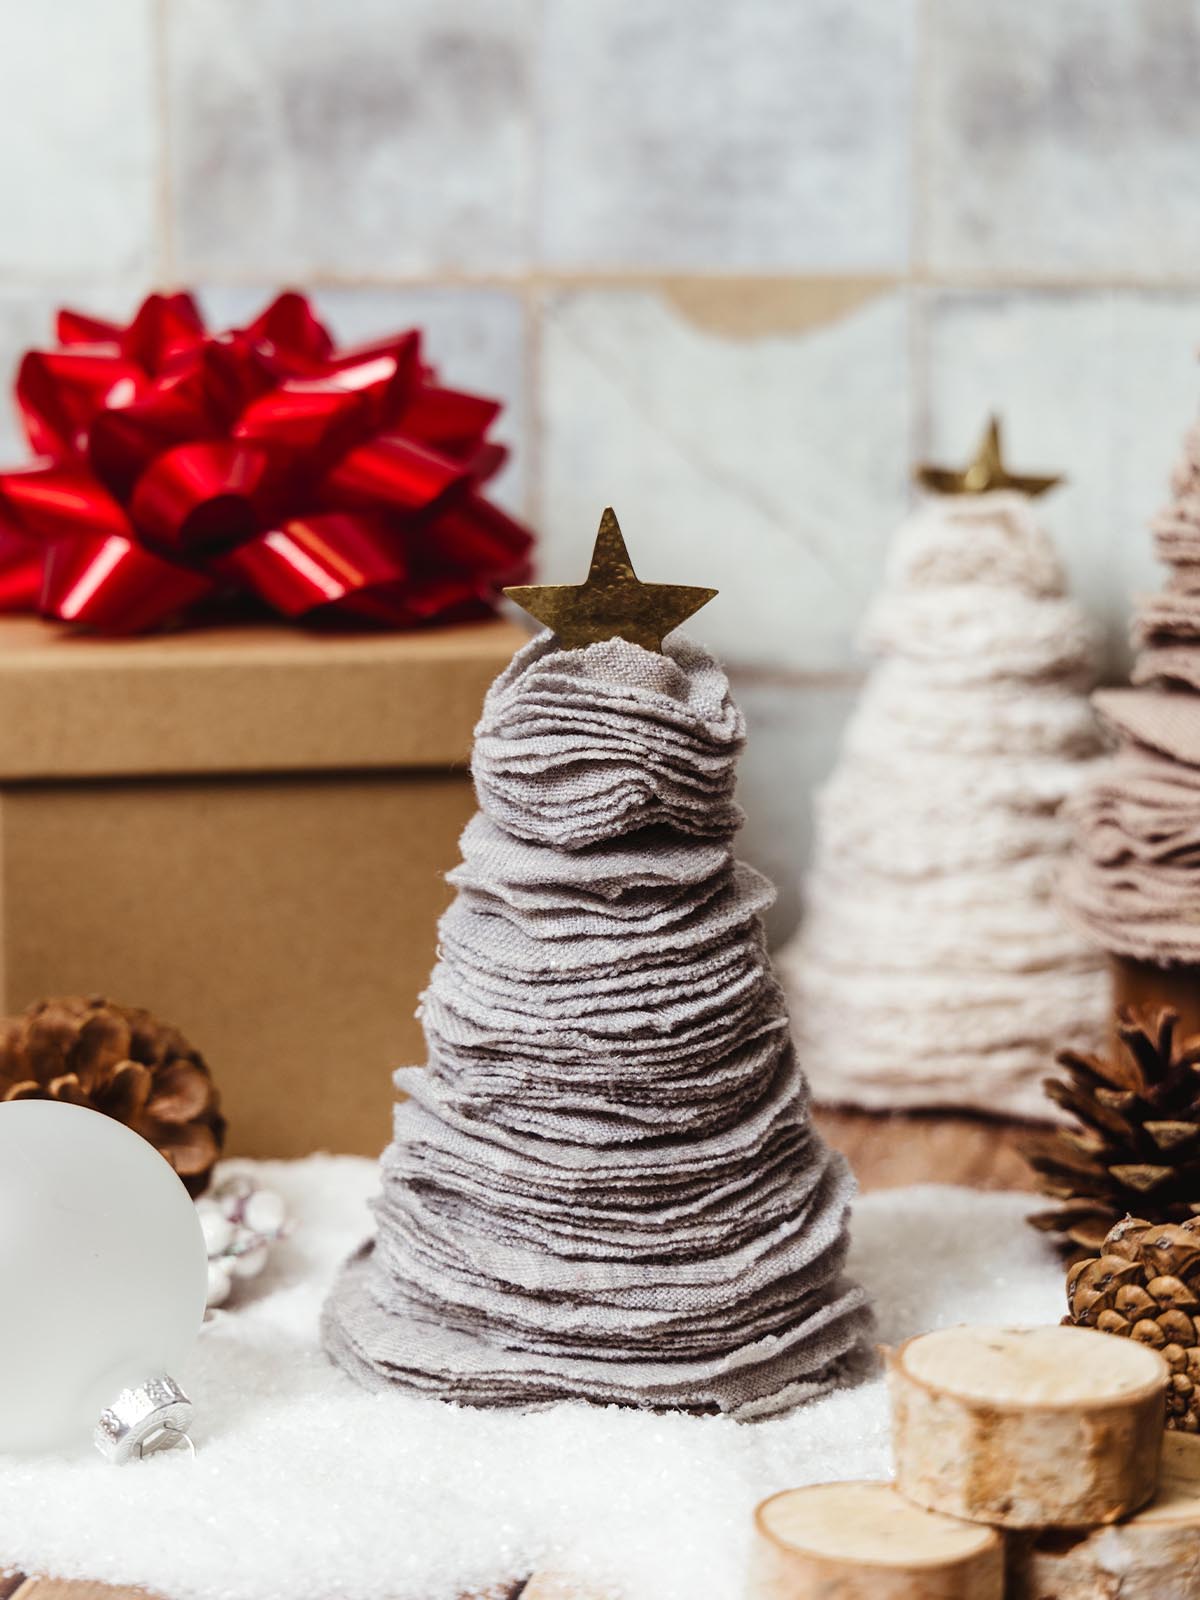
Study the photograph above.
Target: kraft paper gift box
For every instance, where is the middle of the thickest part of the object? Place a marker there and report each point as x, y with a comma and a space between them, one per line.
243, 829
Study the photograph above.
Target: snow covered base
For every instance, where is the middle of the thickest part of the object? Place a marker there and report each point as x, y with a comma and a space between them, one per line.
308, 1488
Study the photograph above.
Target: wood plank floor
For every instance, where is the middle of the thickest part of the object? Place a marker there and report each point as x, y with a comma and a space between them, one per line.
886, 1152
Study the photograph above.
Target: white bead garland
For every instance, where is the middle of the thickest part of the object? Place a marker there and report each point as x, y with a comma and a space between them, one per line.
241, 1220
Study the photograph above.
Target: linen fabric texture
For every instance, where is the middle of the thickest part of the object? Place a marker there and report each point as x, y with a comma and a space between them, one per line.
605, 1184
934, 966
1132, 881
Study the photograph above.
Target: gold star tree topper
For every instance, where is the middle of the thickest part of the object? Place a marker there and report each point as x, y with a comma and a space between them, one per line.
985, 473
613, 603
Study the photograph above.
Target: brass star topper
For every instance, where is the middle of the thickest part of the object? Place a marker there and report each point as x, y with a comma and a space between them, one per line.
984, 473
613, 603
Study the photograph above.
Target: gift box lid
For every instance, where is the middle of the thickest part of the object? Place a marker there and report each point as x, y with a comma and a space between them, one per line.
256, 698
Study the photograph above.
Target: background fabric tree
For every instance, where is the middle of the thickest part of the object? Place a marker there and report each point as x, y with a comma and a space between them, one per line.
605, 1184
1132, 881
934, 966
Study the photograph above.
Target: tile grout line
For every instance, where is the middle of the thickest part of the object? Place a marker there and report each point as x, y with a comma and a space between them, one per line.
650, 277
919, 383
917, 219
920, 421
535, 496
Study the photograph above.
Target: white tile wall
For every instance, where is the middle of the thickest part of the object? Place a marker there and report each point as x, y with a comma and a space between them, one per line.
362, 140
1099, 385
769, 467
731, 267
1061, 138
766, 134
81, 138
792, 736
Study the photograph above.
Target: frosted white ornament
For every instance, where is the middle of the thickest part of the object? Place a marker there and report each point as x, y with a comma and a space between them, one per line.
104, 1272
220, 1284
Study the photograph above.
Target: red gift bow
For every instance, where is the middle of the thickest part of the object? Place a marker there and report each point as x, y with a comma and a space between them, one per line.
182, 466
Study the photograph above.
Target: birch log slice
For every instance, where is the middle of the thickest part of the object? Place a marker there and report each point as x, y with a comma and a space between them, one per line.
1153, 1556
1028, 1428
862, 1541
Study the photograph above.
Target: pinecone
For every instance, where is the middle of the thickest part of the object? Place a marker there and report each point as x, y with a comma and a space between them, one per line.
124, 1063
1139, 1147
1145, 1285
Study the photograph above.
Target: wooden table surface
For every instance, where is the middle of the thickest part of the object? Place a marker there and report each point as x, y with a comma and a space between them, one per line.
886, 1153
889, 1152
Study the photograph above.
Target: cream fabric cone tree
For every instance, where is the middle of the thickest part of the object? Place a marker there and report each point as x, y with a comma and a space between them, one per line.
934, 966
605, 1184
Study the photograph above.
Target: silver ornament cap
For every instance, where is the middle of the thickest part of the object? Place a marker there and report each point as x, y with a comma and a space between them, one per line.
154, 1415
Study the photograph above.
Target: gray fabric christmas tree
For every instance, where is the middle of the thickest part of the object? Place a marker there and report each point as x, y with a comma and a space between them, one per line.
605, 1185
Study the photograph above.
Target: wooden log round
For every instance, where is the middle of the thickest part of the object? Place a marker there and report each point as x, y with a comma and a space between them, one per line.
863, 1541
1153, 1556
1028, 1428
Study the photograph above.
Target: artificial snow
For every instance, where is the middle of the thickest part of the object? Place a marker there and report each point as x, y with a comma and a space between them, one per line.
306, 1487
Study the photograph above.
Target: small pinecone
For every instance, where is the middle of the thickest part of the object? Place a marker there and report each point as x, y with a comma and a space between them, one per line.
1145, 1285
1138, 1149
124, 1063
